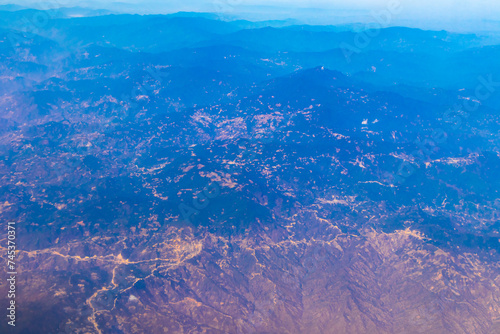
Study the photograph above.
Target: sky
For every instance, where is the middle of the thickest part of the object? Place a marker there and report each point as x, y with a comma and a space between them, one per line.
437, 13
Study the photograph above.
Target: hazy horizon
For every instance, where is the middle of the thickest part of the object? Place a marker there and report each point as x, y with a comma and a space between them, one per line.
458, 15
